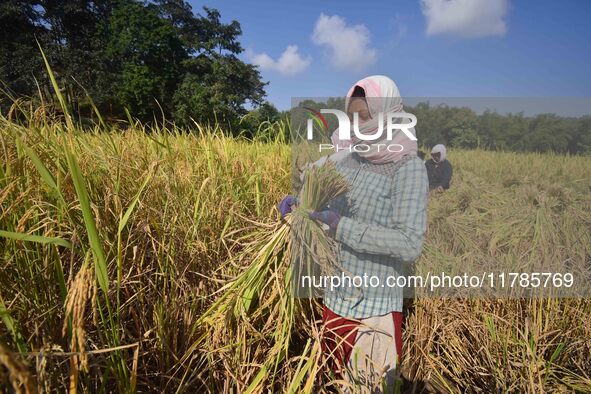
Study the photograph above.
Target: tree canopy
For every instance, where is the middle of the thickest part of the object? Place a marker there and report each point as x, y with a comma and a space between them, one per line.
151, 57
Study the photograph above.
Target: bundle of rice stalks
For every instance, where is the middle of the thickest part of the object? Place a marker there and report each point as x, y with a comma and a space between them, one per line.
313, 253
250, 329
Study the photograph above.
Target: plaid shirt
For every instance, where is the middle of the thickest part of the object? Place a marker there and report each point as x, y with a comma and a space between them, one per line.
381, 231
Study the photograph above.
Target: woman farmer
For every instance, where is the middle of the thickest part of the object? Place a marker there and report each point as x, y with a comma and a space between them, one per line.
379, 227
439, 169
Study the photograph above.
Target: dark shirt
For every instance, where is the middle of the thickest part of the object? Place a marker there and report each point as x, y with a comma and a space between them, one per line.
439, 173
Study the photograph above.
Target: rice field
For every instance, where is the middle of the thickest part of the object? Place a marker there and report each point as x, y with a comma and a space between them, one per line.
124, 257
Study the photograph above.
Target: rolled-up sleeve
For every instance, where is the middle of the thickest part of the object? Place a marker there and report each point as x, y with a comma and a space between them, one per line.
403, 240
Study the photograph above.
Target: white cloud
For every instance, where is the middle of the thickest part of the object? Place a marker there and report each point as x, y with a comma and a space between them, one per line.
348, 46
289, 63
466, 18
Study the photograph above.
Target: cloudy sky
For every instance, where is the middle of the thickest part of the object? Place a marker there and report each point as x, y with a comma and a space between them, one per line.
442, 48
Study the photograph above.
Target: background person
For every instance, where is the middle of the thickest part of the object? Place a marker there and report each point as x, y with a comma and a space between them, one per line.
439, 169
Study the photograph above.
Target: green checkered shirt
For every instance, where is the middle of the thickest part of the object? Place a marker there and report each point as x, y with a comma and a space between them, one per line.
381, 231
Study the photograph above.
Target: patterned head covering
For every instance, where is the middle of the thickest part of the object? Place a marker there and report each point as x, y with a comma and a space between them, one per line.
382, 96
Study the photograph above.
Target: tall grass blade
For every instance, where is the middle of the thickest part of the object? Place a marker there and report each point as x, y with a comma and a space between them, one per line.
91, 229
36, 238
56, 89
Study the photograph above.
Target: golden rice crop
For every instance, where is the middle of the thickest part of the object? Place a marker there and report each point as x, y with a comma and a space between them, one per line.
134, 237
251, 325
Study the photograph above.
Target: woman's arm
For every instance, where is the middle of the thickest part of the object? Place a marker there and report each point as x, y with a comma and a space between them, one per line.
404, 240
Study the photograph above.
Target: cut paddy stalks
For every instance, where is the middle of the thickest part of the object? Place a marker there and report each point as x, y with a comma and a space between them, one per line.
252, 323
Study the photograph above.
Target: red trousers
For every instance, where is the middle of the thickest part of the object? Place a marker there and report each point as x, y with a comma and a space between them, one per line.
339, 336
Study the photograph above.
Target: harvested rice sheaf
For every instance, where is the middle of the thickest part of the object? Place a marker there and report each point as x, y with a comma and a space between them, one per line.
251, 325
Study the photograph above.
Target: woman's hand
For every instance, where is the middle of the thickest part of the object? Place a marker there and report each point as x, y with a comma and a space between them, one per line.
328, 217
286, 204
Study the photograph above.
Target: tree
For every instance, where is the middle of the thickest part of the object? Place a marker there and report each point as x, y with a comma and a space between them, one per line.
147, 54
461, 128
258, 118
150, 57
224, 83
19, 24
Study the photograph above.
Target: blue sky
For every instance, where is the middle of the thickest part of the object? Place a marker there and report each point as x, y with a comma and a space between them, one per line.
431, 48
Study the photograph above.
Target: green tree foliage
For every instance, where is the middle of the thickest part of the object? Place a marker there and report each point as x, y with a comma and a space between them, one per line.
464, 128
18, 56
259, 122
151, 57
264, 113
148, 55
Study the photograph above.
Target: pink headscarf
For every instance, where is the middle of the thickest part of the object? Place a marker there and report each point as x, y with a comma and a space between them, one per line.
382, 96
